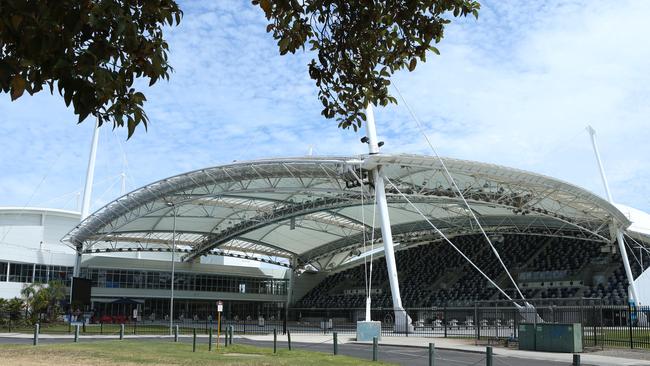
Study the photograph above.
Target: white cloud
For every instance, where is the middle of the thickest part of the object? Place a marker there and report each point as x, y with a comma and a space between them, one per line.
516, 87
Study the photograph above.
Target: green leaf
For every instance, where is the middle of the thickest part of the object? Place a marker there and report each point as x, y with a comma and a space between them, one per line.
283, 44
412, 64
266, 6
17, 87
131, 125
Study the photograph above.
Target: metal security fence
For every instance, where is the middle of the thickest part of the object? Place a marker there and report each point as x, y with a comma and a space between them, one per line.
603, 325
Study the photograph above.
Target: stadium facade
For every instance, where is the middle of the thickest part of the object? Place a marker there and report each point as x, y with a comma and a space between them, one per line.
307, 223
122, 281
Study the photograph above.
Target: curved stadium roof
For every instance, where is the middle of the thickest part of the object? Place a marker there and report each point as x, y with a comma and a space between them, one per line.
315, 210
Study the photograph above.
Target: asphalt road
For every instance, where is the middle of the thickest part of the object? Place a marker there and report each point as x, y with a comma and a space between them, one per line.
408, 356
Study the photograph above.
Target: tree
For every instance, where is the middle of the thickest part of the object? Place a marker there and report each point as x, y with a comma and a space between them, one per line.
11, 312
90, 51
43, 299
360, 44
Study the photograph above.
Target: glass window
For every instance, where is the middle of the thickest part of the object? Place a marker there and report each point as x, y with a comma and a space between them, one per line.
21, 272
60, 273
118, 278
3, 271
40, 274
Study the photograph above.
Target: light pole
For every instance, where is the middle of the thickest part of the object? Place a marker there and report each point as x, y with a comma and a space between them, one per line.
171, 300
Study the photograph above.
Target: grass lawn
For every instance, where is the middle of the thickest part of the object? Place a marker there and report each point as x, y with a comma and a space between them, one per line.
163, 353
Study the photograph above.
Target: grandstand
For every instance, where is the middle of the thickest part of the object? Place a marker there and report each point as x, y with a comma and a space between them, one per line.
433, 274
266, 236
314, 217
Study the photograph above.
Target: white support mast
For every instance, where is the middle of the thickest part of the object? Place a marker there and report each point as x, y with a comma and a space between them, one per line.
122, 184
90, 174
619, 232
85, 203
402, 320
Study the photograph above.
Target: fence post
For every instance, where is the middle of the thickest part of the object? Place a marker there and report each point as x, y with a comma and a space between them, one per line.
83, 327
406, 322
121, 331
135, 325
432, 354
335, 341
289, 339
210, 339
69, 325
76, 333
629, 311
225, 336
602, 325
477, 322
101, 328
444, 319
37, 329
231, 329
194, 339
375, 351
593, 325
576, 360
285, 329
488, 356
275, 340
176, 333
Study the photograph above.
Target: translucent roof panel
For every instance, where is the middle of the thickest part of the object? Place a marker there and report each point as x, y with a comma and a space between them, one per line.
313, 209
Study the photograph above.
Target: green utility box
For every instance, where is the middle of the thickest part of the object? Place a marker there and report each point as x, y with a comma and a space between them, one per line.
548, 337
527, 336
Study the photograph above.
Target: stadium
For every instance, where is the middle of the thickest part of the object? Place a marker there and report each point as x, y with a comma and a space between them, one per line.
245, 208
295, 244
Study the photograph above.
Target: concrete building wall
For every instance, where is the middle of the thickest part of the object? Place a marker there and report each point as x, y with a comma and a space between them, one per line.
32, 235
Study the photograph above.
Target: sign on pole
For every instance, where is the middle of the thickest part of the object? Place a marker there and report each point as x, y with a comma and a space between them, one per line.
219, 310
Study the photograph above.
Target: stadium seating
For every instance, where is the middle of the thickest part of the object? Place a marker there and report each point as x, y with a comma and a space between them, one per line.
434, 274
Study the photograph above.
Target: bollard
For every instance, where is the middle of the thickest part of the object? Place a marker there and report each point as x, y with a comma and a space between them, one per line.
488, 356
432, 354
121, 331
83, 327
210, 339
374, 349
176, 333
335, 341
576, 360
37, 329
76, 333
275, 340
232, 331
289, 339
193, 339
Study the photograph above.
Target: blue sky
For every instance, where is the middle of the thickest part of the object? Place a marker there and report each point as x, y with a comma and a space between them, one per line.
517, 88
